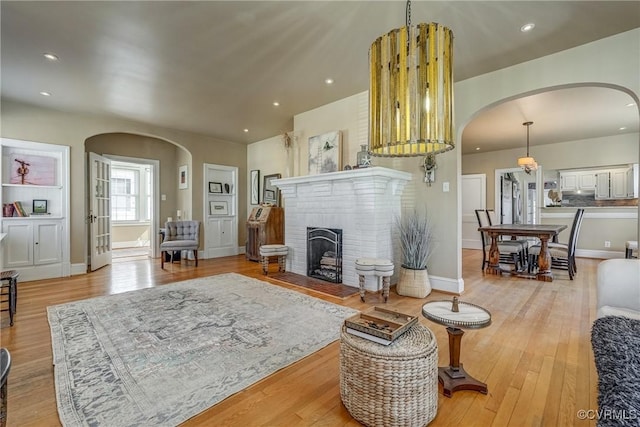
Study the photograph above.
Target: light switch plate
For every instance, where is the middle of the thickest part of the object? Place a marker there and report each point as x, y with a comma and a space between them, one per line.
445, 187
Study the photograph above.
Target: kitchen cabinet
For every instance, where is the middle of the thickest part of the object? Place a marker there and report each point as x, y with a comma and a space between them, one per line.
615, 184
578, 180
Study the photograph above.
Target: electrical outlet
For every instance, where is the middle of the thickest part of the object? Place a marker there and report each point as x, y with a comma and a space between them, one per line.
607, 244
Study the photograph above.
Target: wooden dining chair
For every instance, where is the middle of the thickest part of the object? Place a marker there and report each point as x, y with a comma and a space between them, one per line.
510, 253
563, 255
524, 243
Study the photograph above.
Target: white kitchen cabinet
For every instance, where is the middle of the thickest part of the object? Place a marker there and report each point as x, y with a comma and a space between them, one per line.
587, 181
578, 180
568, 181
220, 210
602, 185
619, 183
35, 176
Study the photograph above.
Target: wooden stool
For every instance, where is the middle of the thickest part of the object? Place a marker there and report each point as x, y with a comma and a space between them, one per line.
632, 245
9, 292
267, 251
381, 268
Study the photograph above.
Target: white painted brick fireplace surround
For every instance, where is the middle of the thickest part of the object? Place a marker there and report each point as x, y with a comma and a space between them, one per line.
364, 203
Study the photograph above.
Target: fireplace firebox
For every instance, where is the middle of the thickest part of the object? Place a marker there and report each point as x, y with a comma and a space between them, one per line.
324, 254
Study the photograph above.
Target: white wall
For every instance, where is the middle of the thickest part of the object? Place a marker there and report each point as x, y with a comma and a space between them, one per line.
613, 61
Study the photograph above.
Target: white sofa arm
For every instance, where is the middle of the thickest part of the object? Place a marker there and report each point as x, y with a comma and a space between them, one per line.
618, 288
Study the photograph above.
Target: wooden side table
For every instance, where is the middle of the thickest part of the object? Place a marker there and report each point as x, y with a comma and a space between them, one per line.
469, 316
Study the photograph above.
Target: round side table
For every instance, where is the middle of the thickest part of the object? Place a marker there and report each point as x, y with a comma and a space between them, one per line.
456, 315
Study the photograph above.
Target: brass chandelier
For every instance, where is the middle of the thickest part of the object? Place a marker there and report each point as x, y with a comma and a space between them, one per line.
411, 91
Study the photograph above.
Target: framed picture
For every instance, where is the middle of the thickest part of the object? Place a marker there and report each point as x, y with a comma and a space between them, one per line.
39, 206
255, 187
218, 208
183, 179
325, 152
34, 170
271, 193
215, 187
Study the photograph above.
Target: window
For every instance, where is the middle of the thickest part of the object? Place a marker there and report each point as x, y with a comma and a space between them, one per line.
130, 192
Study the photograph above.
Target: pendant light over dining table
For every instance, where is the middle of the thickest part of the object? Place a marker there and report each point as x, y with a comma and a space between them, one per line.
528, 164
411, 91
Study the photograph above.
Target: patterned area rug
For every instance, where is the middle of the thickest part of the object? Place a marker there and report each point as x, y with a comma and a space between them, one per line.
159, 356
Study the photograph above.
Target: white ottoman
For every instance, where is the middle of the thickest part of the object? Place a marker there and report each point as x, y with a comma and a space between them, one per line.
381, 268
267, 251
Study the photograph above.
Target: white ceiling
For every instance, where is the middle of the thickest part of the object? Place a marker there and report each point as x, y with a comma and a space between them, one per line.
217, 67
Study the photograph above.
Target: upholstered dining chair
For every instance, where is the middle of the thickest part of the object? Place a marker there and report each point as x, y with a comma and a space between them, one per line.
510, 253
5, 367
524, 243
563, 255
180, 236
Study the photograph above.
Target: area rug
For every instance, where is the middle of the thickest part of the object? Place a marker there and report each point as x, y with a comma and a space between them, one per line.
159, 356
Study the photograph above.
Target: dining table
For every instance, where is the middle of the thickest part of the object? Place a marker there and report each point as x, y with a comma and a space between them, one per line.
544, 232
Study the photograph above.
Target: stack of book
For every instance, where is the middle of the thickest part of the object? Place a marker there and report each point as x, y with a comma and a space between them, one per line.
380, 325
19, 209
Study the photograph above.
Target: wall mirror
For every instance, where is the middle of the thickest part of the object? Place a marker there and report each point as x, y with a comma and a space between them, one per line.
271, 193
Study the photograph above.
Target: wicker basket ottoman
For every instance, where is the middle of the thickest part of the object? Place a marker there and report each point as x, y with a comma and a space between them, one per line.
394, 385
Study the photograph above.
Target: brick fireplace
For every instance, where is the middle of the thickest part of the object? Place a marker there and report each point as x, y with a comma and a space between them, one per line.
363, 203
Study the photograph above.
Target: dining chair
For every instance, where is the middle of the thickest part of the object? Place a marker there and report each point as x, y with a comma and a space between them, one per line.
524, 243
510, 253
9, 292
563, 255
5, 367
180, 236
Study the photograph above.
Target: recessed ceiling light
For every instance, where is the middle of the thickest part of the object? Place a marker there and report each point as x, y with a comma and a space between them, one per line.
631, 104
527, 27
622, 128
43, 93
477, 148
276, 103
50, 56
246, 130
328, 81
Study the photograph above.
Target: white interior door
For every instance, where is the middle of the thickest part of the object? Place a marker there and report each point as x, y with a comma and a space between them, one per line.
100, 211
474, 196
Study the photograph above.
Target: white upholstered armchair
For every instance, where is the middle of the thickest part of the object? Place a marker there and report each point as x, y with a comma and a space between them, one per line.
180, 236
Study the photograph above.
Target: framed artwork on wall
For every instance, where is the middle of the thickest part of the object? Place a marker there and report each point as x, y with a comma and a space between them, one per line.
215, 187
255, 187
271, 193
218, 208
325, 153
183, 181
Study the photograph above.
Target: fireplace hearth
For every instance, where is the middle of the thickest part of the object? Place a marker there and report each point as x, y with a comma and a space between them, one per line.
324, 254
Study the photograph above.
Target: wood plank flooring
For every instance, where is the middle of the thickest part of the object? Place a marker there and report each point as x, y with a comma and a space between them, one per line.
536, 356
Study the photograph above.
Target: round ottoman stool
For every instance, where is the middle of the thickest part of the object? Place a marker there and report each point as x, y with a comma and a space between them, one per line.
267, 251
393, 385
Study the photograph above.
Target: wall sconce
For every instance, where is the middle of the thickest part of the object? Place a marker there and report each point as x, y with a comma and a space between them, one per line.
429, 165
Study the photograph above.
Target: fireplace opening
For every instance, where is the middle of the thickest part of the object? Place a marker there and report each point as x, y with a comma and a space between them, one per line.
324, 254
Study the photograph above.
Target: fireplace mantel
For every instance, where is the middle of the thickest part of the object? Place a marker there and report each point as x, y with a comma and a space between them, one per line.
363, 203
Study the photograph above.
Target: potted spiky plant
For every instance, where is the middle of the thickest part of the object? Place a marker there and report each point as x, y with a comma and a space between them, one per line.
416, 244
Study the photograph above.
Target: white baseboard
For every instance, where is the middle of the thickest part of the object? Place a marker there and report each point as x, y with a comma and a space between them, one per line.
80, 268
592, 253
446, 284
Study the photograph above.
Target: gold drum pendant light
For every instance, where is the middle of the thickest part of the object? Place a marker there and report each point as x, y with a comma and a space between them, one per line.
411, 91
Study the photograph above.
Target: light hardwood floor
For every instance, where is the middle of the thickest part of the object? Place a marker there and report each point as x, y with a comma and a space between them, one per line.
536, 356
